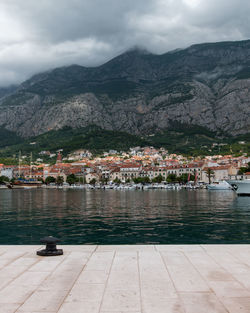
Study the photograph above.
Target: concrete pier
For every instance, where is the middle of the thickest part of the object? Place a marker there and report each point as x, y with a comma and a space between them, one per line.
126, 279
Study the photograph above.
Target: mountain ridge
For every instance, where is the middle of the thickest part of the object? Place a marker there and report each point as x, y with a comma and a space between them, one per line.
139, 92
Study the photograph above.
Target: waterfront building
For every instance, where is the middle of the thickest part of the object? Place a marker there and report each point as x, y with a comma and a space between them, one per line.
218, 173
21, 171
129, 171
91, 176
7, 171
54, 172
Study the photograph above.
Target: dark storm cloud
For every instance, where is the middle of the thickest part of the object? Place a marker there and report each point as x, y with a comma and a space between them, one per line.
38, 35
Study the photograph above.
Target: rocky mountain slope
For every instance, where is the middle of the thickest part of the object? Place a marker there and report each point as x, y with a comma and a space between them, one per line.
6, 91
138, 92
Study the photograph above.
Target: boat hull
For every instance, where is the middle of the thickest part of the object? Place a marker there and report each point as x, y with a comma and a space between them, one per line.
218, 188
242, 187
24, 185
222, 185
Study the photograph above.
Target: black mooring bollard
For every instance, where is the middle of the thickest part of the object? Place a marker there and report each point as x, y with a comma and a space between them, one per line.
51, 249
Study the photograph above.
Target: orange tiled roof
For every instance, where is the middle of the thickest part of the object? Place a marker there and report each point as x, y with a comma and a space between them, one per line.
216, 168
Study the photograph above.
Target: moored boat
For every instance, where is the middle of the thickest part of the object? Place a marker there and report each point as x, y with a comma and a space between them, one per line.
220, 185
242, 187
24, 184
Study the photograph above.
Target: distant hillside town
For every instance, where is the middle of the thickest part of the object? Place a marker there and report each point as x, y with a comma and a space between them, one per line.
138, 165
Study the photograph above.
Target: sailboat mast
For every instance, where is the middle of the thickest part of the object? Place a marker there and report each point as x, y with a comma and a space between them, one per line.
19, 164
30, 163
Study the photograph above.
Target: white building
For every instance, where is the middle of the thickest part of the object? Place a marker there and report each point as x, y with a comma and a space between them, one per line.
7, 171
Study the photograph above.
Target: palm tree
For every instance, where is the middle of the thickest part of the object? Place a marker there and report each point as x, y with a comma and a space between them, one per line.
210, 173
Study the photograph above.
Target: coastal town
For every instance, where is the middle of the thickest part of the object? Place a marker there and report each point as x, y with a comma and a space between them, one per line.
138, 165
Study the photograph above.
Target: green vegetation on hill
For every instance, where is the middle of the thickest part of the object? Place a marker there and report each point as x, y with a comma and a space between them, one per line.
186, 139
196, 140
68, 139
179, 138
8, 138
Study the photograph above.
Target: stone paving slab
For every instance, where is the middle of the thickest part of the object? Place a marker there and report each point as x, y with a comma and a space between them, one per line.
126, 279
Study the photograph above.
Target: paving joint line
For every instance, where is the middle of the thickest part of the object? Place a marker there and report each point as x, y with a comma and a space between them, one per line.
196, 270
211, 290
49, 273
170, 276
237, 258
73, 284
232, 274
139, 274
106, 284
18, 274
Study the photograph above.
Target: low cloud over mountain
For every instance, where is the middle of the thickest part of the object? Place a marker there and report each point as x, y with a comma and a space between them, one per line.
36, 36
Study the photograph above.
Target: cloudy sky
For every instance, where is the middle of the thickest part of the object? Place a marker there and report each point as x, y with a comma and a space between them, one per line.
39, 35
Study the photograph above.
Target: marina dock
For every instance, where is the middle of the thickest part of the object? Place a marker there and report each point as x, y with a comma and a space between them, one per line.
131, 279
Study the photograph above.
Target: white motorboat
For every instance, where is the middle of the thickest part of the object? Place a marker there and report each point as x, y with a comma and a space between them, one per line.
220, 185
242, 187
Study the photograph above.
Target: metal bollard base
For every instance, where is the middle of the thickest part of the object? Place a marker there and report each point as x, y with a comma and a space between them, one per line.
45, 252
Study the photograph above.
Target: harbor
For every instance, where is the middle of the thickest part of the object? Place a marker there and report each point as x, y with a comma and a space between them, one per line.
124, 156
157, 216
108, 187
127, 278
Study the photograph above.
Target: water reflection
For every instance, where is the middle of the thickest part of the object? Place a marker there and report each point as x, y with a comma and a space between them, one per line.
119, 217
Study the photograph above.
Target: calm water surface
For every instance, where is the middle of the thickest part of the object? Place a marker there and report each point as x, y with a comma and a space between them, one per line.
124, 217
